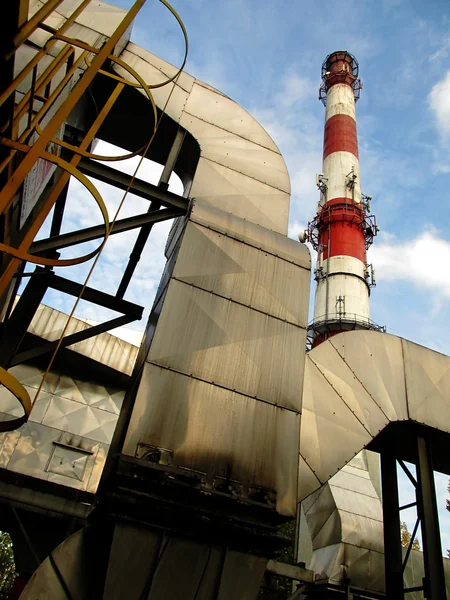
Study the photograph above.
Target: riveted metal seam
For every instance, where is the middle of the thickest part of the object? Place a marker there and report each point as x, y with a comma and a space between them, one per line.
223, 387
360, 382
258, 310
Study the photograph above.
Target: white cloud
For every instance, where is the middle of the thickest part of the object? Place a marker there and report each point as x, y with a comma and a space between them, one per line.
439, 102
443, 51
422, 261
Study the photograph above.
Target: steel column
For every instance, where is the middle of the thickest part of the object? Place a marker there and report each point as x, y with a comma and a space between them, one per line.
142, 238
434, 588
391, 528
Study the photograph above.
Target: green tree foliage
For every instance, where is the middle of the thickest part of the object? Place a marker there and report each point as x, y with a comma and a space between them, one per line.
448, 508
7, 565
281, 586
406, 537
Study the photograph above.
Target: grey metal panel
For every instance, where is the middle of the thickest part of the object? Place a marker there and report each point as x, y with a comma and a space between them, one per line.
223, 342
346, 480
133, 555
245, 274
306, 477
82, 415
204, 213
237, 193
171, 96
376, 360
187, 559
358, 472
213, 430
233, 150
330, 532
428, 384
328, 560
211, 107
93, 394
365, 568
77, 463
100, 16
143, 59
319, 511
342, 380
226, 179
32, 452
304, 549
80, 419
22, 58
326, 422
361, 531
358, 504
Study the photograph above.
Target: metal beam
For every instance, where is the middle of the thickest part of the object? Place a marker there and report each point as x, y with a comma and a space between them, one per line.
138, 187
391, 528
96, 297
434, 584
68, 340
15, 328
144, 233
92, 233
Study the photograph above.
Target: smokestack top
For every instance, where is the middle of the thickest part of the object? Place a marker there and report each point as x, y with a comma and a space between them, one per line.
340, 67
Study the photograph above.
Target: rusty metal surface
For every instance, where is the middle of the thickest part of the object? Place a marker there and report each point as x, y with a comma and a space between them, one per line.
217, 432
221, 388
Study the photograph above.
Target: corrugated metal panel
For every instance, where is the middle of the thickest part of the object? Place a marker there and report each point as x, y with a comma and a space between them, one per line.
354, 483
48, 323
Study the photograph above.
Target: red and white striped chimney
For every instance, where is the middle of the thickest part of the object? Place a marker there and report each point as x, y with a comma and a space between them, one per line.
342, 230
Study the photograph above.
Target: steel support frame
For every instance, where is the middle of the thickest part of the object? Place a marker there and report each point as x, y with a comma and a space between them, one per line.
434, 581
393, 562
15, 327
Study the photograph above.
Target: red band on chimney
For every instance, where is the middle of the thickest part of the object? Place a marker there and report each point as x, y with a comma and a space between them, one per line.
340, 135
345, 221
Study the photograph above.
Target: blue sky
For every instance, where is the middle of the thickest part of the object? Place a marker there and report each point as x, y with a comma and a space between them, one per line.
267, 56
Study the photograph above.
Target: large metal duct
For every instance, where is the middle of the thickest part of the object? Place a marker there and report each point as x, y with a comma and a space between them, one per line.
363, 389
